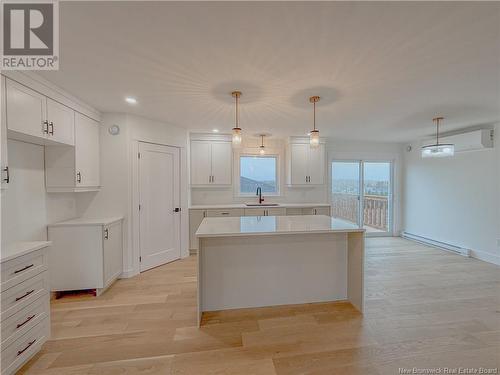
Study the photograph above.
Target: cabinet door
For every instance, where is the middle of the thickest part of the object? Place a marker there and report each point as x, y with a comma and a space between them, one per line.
299, 161
86, 151
201, 161
255, 211
322, 211
293, 211
222, 154
61, 123
308, 211
113, 252
276, 211
4, 165
316, 165
25, 110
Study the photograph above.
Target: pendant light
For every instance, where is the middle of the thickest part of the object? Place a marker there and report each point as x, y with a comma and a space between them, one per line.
438, 150
314, 134
262, 149
237, 130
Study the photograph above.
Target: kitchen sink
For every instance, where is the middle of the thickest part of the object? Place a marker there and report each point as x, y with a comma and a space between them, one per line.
261, 204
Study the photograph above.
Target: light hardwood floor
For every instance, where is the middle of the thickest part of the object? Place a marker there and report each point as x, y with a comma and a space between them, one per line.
424, 308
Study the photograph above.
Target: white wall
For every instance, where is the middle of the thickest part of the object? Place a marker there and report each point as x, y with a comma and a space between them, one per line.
376, 151
455, 200
26, 207
118, 160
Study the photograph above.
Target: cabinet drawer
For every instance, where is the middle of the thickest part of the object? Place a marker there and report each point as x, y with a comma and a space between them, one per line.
293, 211
24, 294
16, 354
229, 212
22, 268
21, 322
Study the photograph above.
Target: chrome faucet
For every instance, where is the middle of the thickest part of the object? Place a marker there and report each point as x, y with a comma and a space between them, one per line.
259, 193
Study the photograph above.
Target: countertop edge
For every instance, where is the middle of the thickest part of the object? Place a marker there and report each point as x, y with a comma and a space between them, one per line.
250, 234
86, 222
243, 205
22, 248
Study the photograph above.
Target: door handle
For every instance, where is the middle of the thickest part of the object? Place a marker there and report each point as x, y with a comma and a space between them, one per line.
106, 233
78, 177
51, 131
7, 175
177, 209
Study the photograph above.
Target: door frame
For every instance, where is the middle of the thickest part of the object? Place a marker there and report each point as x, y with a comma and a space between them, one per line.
390, 209
134, 236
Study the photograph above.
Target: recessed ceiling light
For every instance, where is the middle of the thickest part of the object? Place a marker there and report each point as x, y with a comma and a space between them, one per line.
215, 130
131, 100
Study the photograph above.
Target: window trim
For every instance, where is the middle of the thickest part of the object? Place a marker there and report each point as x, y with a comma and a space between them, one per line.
247, 153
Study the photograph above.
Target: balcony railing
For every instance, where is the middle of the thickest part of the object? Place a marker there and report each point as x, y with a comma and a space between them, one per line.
375, 209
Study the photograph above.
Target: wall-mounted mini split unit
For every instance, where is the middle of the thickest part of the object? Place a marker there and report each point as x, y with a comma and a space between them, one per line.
470, 141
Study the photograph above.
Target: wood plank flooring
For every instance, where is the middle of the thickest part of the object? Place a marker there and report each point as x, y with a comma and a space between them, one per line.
424, 308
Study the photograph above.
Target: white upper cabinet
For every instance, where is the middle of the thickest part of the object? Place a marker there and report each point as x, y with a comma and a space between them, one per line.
86, 152
26, 111
61, 122
33, 117
222, 154
211, 163
75, 168
306, 165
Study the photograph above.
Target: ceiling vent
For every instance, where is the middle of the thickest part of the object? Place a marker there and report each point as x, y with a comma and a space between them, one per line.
470, 141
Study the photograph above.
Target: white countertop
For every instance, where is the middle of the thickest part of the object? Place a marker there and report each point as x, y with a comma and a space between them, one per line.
268, 225
18, 249
243, 205
88, 221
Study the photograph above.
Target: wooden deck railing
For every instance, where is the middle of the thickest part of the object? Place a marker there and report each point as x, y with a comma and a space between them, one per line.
375, 211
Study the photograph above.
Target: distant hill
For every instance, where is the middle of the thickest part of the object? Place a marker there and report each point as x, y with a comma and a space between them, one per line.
247, 185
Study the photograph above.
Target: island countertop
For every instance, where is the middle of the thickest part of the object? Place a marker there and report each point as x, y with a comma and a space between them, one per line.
273, 225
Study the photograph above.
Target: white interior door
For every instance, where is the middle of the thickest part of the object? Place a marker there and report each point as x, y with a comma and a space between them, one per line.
159, 196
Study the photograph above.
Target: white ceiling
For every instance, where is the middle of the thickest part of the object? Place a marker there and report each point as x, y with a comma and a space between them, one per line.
383, 70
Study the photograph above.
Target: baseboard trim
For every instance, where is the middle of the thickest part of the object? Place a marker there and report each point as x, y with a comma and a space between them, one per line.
438, 244
486, 257
479, 255
128, 274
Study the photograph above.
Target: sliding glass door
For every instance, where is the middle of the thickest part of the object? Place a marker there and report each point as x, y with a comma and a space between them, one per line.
362, 194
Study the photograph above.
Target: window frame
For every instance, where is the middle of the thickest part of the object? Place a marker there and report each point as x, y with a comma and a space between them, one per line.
269, 154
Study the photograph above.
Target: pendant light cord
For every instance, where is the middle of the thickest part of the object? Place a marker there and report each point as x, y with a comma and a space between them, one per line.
237, 113
314, 115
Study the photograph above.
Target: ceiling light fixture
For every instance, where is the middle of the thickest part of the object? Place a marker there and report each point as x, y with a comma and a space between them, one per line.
131, 100
438, 150
236, 130
262, 149
314, 134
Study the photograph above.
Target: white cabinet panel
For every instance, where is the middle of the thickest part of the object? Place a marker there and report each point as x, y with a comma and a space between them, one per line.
299, 164
222, 153
232, 212
4, 165
322, 211
86, 151
275, 211
195, 219
306, 165
316, 165
255, 212
201, 163
113, 253
26, 111
211, 163
61, 123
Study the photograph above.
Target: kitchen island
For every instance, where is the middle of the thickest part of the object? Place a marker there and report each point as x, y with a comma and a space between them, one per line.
278, 260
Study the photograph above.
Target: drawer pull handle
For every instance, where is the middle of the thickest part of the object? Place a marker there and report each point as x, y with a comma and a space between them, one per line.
26, 321
22, 351
24, 268
224, 213
26, 295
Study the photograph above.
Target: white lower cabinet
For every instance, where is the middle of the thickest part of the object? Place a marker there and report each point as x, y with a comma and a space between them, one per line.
25, 303
196, 216
86, 254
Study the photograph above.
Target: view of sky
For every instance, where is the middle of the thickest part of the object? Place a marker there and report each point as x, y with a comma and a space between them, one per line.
258, 168
350, 171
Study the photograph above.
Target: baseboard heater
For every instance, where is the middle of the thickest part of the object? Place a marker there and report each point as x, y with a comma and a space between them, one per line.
438, 244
